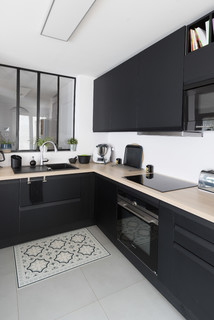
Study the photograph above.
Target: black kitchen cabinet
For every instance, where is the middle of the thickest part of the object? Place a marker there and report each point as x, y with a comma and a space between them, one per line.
161, 84
145, 93
102, 103
66, 204
9, 212
199, 66
115, 98
105, 206
186, 261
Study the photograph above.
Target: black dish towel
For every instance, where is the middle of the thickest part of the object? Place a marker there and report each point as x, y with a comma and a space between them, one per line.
36, 191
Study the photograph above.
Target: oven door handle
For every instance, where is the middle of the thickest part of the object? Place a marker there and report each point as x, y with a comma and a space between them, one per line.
141, 214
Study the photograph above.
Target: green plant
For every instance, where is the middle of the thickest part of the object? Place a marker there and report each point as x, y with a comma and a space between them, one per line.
40, 141
4, 141
72, 141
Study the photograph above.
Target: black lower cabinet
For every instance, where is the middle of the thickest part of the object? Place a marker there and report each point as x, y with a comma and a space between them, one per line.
60, 203
9, 212
105, 206
186, 261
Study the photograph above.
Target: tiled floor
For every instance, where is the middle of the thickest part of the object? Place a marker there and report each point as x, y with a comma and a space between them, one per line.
110, 288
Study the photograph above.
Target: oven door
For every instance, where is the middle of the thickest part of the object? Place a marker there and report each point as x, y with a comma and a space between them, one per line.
138, 231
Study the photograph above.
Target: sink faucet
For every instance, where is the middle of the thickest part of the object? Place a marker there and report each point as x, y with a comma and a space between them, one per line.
42, 160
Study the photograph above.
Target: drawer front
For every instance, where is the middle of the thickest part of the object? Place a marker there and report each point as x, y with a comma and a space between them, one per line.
195, 225
45, 217
201, 248
57, 188
193, 283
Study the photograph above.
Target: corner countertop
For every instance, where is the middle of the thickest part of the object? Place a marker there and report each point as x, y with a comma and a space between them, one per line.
193, 200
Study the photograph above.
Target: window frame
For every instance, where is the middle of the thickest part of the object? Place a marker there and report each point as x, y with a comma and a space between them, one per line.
18, 69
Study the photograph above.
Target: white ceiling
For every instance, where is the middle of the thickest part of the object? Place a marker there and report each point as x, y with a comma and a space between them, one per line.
111, 32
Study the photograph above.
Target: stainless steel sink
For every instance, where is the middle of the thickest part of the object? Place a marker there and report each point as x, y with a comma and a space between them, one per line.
45, 168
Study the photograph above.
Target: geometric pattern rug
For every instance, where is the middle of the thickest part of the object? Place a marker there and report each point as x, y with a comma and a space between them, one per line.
40, 259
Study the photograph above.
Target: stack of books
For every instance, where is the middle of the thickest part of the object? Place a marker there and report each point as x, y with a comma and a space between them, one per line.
200, 37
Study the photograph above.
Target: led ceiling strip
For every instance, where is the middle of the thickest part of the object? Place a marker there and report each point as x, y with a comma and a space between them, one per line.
64, 17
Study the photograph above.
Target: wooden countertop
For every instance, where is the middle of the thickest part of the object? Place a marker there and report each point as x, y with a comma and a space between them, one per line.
193, 200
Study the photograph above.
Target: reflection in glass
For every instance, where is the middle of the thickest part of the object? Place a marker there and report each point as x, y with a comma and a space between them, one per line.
48, 108
66, 105
8, 105
27, 110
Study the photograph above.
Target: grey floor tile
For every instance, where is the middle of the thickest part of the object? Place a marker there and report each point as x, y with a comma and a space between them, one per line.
137, 302
8, 297
7, 264
111, 274
91, 312
55, 297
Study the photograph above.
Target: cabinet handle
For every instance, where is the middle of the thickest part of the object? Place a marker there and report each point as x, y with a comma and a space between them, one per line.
28, 181
44, 179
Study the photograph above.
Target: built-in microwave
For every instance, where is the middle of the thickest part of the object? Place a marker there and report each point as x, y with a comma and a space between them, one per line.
199, 108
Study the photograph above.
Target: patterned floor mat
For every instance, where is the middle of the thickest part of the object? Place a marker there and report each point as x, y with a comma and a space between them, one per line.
43, 258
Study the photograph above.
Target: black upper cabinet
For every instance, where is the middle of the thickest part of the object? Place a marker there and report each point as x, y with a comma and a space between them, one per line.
145, 92
161, 84
115, 96
124, 96
102, 103
199, 65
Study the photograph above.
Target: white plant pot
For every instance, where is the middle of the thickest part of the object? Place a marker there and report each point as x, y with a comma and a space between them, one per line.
73, 147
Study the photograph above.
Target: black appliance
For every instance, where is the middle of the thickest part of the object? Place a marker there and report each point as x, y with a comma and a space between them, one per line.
137, 228
2, 157
133, 155
160, 182
199, 108
16, 162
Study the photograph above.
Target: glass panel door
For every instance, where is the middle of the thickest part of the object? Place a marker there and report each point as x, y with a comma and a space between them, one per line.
48, 107
66, 111
27, 110
8, 105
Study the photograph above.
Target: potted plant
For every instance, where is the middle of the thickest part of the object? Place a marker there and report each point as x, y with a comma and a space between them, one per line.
5, 145
40, 141
73, 144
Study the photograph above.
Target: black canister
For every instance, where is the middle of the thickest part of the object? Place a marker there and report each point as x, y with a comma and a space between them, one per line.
16, 162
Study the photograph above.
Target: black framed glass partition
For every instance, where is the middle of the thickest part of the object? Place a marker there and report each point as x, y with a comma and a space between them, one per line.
8, 112
34, 105
27, 105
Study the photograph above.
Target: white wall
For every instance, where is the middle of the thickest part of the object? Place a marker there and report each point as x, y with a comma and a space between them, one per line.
181, 157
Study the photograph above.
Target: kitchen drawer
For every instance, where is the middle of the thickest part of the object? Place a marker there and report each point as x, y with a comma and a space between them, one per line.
201, 248
195, 225
193, 283
51, 215
57, 188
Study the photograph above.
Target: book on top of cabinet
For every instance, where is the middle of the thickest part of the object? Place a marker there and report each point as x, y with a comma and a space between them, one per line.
200, 33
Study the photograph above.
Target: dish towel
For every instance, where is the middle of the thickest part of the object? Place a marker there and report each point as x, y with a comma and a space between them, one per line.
36, 191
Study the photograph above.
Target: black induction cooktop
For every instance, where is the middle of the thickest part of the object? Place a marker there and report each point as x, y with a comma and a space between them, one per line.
160, 182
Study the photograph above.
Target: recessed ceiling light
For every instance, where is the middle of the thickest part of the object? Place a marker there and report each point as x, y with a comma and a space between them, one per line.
64, 17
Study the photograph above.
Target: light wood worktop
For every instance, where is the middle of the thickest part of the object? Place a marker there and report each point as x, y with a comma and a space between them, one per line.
193, 200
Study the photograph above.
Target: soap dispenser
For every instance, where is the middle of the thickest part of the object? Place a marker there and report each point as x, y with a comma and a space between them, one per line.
32, 162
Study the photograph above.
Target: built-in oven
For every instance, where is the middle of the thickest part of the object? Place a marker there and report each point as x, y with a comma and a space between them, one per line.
137, 228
